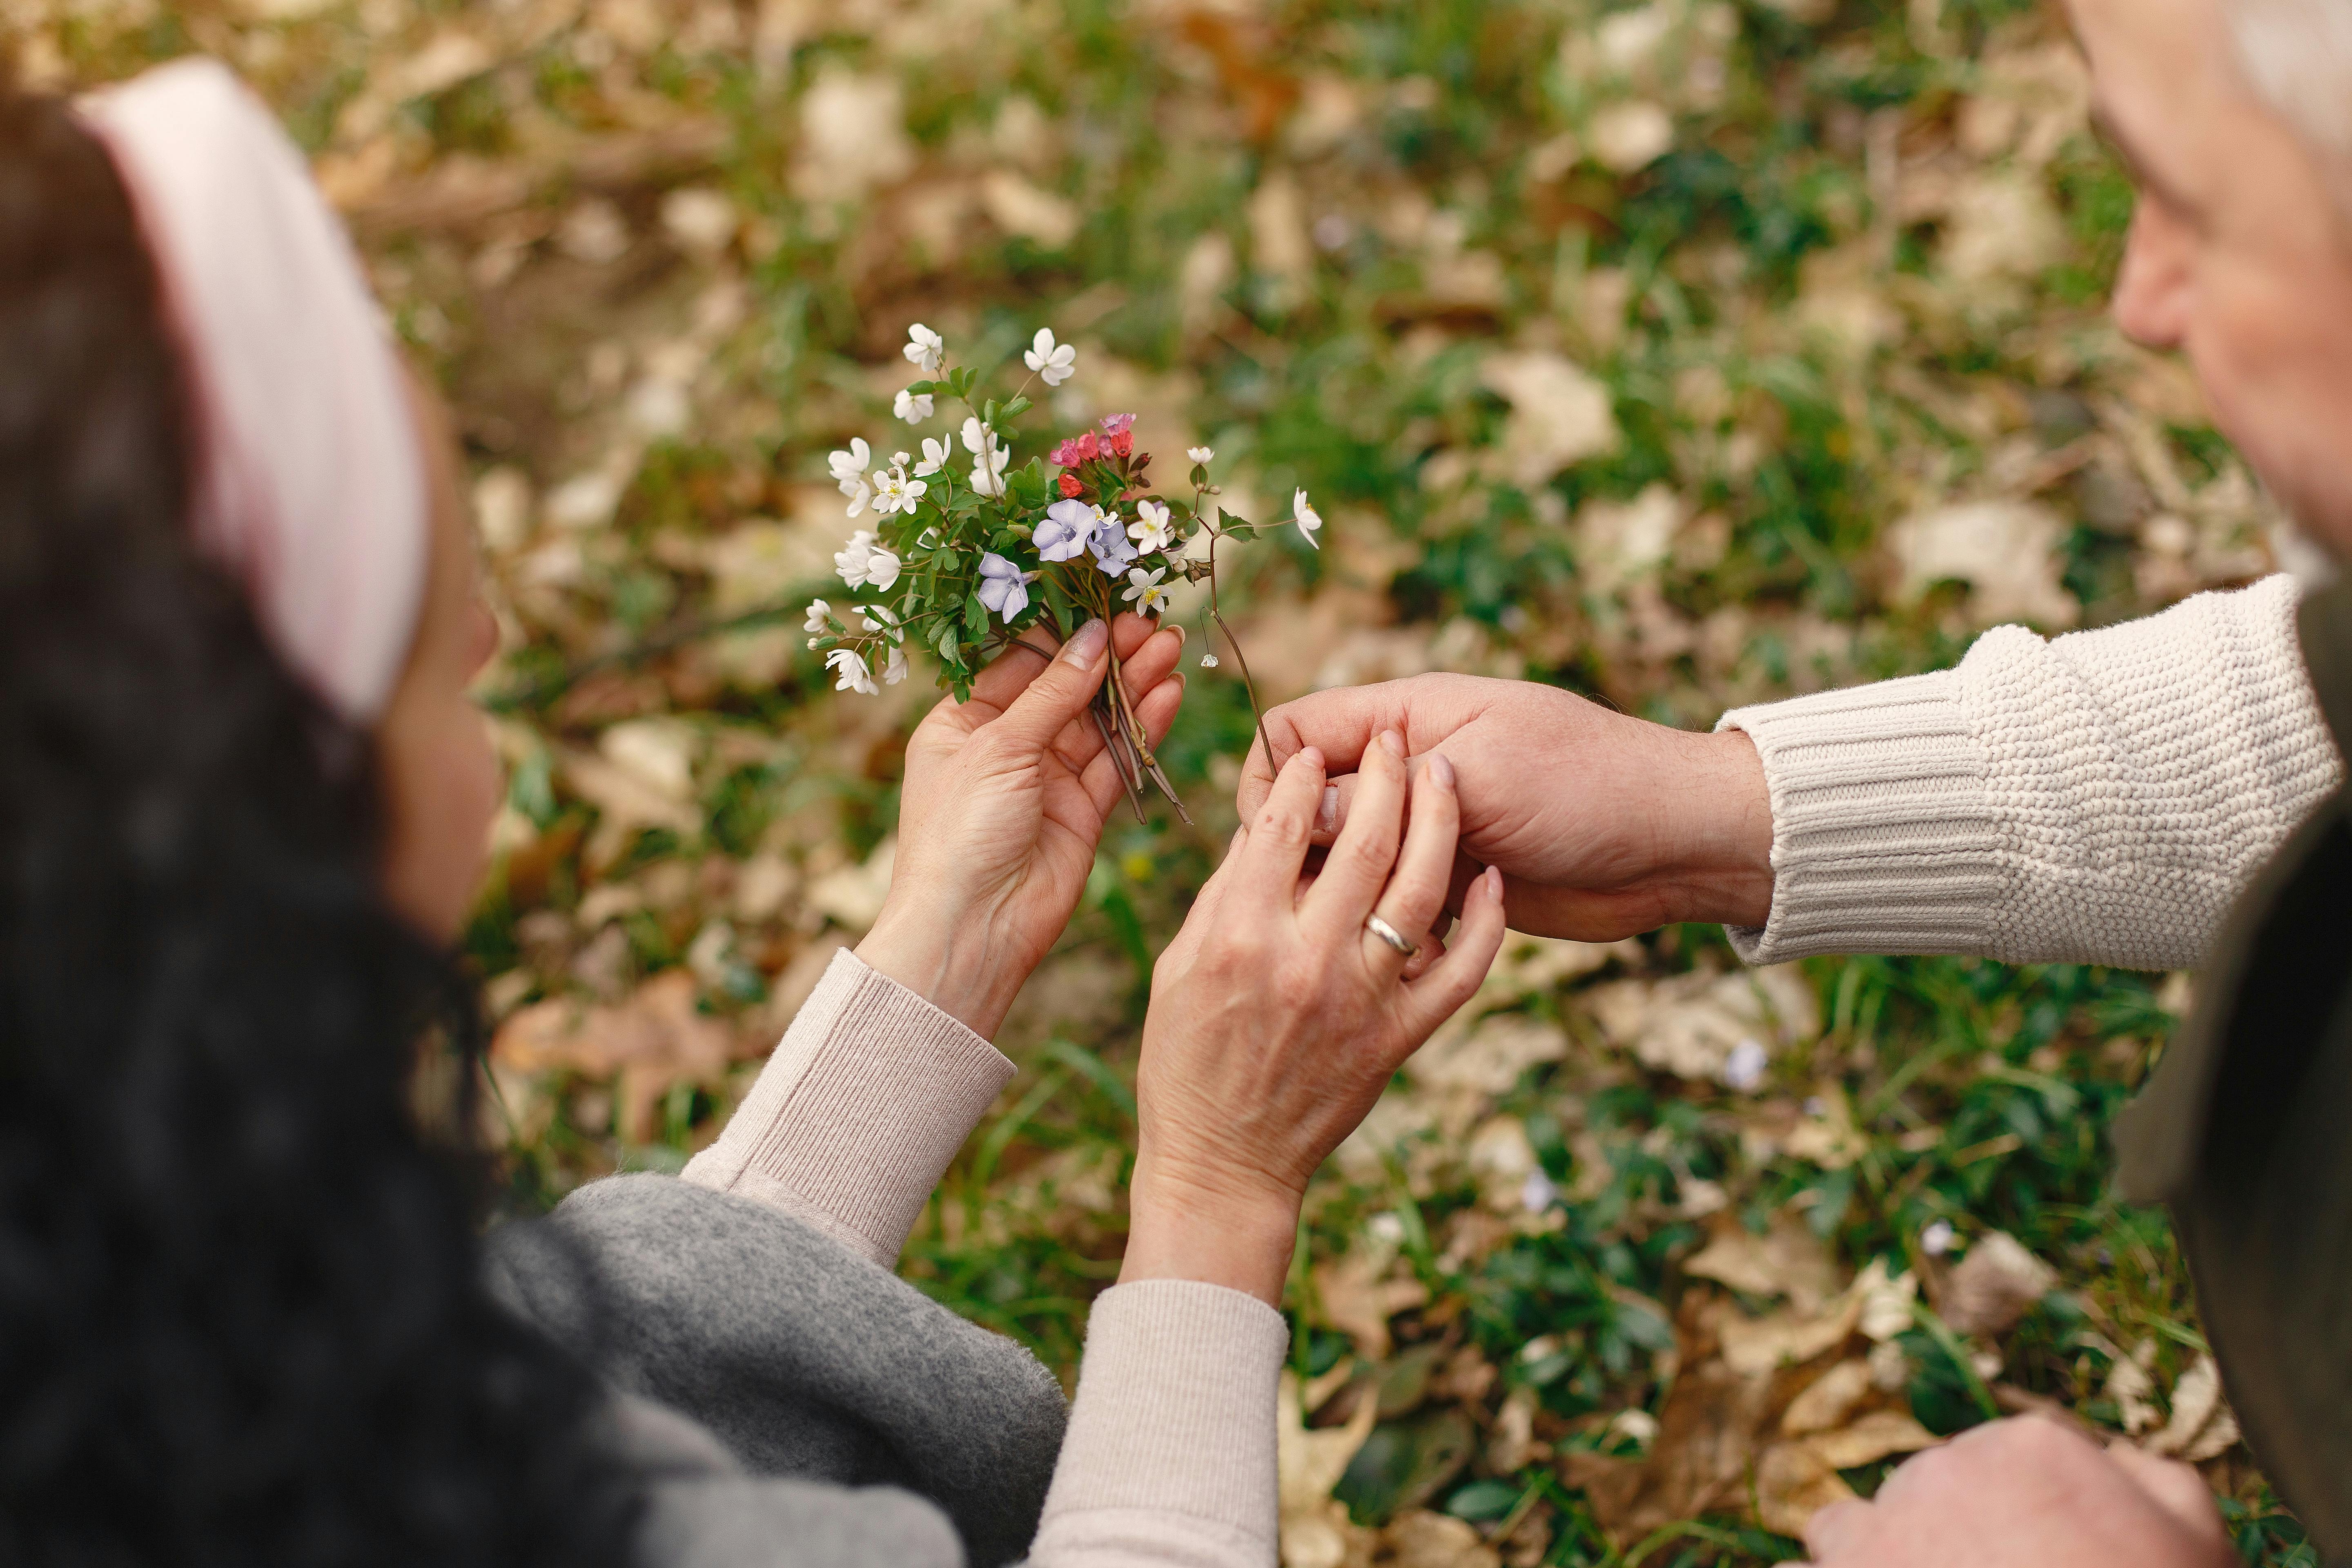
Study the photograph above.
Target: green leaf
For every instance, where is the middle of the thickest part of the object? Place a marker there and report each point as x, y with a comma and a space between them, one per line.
1017, 407
920, 388
1232, 530
987, 412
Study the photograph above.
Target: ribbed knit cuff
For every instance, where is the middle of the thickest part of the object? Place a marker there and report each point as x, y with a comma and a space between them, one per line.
1174, 1418
858, 1111
1884, 837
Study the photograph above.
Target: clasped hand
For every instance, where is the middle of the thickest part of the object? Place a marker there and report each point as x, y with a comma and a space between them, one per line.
1277, 1016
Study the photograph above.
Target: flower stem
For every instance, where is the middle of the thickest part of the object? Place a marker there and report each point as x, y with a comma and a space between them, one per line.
1249, 686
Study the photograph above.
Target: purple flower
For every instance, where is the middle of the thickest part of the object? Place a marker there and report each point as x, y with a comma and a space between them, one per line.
1003, 587
1118, 424
1113, 554
1064, 534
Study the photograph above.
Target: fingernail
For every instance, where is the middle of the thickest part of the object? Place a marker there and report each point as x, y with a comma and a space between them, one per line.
1392, 742
1495, 881
1086, 646
1326, 815
1312, 756
1180, 637
1441, 768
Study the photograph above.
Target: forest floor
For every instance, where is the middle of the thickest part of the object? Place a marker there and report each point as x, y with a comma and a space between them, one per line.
1682, 354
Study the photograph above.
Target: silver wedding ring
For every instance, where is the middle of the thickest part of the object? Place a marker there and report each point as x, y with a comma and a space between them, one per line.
1389, 934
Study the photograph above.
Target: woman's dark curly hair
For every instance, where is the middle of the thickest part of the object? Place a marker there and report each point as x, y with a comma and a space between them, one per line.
241, 1316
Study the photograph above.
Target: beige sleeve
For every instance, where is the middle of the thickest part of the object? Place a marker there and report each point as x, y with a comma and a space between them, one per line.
2098, 797
855, 1116
1170, 1461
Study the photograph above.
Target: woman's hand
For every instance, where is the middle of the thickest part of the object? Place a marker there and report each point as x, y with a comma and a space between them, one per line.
1005, 801
1277, 1016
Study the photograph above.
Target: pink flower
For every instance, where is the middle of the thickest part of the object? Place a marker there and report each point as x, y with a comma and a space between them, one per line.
1070, 486
1122, 444
1118, 424
1076, 450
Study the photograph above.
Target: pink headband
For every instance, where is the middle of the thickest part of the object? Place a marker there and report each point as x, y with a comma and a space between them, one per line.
310, 479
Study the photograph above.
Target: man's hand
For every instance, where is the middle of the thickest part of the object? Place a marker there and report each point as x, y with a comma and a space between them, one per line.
1602, 825
2028, 1493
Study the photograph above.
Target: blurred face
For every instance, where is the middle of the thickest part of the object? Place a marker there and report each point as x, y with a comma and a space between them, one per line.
2236, 255
440, 774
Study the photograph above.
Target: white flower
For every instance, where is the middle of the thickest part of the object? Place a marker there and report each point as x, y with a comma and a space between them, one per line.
894, 491
1150, 529
820, 617
850, 666
1208, 661
977, 438
1003, 587
913, 409
881, 569
1144, 592
860, 498
851, 559
1743, 1069
1052, 361
988, 469
1199, 454
896, 670
935, 456
926, 349
1537, 1193
849, 467
1068, 525
882, 618
1306, 516
1937, 1238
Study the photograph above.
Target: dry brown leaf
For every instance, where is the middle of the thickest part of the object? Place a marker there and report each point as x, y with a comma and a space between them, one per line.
1827, 1136
1787, 1260
655, 1039
1870, 1438
1487, 1056
1792, 1484
1692, 1025
1358, 1299
1756, 1347
2007, 552
1994, 1286
2201, 1425
1829, 1399
1419, 1539
1315, 1531
1560, 416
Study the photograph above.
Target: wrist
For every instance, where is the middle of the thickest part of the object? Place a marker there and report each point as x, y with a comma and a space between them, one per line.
1236, 1234
1729, 858
948, 962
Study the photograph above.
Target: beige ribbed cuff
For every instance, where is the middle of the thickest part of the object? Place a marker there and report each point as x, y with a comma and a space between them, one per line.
1885, 838
1172, 1438
857, 1113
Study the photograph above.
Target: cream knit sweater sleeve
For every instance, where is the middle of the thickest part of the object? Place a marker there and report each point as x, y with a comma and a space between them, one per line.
1169, 1458
2098, 798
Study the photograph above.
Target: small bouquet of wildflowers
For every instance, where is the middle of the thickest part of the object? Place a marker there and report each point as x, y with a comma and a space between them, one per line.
959, 561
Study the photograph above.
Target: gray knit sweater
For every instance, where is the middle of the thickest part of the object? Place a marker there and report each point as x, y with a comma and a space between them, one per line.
789, 1401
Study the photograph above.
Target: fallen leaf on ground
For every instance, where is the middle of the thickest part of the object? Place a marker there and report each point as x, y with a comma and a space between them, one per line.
1419, 1539
1787, 1260
1315, 1531
1358, 1299
1994, 1286
2006, 551
654, 1040
2201, 1425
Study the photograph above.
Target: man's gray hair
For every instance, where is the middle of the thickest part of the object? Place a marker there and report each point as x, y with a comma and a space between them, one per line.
2297, 56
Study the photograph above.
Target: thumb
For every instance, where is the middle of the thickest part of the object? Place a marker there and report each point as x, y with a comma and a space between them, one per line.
1061, 693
